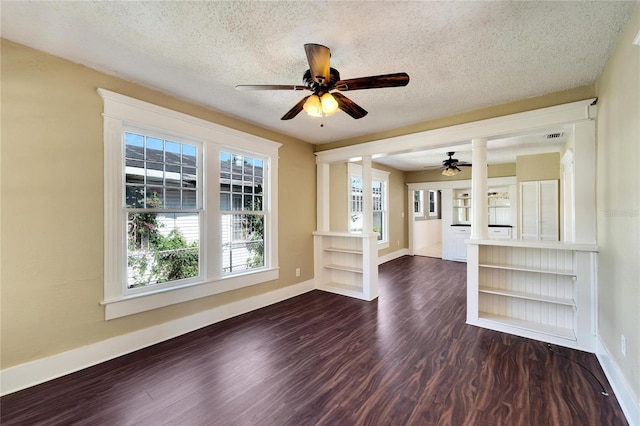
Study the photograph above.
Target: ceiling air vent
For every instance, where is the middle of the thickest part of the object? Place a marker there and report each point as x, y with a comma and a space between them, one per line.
554, 135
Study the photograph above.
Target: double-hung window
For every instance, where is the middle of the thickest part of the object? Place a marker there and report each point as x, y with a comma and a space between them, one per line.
190, 207
163, 204
379, 189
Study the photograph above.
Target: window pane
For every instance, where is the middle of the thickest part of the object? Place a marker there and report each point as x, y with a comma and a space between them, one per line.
172, 153
172, 175
355, 224
259, 168
378, 224
155, 150
134, 171
134, 197
225, 201
242, 242
162, 247
236, 201
172, 198
134, 146
189, 199
155, 198
189, 177
154, 173
189, 155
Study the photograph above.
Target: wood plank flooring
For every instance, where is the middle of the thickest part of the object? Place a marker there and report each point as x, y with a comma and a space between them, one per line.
322, 359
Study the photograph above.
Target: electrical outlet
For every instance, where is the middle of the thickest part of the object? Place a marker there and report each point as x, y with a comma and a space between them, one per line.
623, 345
297, 272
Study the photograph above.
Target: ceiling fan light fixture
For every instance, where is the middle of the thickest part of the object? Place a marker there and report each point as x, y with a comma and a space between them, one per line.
329, 104
313, 107
450, 171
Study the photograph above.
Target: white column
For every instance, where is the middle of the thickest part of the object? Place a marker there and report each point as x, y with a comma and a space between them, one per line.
367, 196
479, 190
322, 197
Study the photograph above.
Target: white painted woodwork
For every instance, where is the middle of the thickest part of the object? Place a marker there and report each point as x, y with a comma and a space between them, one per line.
367, 195
585, 182
323, 174
539, 210
346, 263
540, 290
568, 197
479, 189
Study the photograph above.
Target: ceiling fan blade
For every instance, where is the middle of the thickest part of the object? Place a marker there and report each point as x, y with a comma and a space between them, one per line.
295, 110
374, 82
318, 58
463, 164
269, 87
348, 106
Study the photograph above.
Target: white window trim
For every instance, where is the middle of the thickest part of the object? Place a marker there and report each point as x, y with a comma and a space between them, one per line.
420, 212
380, 175
122, 111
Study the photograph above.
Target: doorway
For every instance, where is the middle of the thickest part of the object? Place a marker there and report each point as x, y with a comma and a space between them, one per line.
427, 225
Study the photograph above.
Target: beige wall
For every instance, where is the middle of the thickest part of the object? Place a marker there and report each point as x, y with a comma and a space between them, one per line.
496, 170
618, 204
52, 216
538, 167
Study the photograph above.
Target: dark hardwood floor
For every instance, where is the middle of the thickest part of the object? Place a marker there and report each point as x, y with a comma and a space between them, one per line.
322, 359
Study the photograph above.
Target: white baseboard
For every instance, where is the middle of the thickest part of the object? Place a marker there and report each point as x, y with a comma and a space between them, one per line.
627, 399
394, 255
31, 373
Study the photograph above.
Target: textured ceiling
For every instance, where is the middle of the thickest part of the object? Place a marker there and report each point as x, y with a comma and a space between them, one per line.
461, 56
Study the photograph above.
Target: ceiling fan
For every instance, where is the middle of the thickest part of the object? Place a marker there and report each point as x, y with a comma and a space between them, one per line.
451, 165
321, 79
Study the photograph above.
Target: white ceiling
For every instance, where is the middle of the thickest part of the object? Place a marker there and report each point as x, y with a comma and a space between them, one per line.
460, 56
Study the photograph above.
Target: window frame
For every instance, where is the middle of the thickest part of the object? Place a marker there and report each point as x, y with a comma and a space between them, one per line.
122, 112
355, 170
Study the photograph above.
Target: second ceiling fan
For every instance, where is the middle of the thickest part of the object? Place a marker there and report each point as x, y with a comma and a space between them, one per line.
451, 166
321, 79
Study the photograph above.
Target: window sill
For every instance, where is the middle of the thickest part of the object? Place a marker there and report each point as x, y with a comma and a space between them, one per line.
133, 304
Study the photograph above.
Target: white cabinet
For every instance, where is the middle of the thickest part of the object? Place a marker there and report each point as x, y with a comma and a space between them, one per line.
460, 235
539, 210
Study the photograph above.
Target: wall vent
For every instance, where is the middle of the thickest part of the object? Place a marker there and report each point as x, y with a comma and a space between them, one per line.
554, 135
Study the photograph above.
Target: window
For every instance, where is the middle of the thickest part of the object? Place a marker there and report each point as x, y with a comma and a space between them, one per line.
170, 234
434, 210
241, 193
418, 203
379, 185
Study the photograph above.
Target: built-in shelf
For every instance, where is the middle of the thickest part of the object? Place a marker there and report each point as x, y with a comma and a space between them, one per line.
533, 270
344, 286
538, 290
550, 330
527, 296
344, 268
339, 250
345, 263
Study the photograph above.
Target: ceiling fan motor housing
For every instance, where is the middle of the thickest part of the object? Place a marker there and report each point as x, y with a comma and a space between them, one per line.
320, 88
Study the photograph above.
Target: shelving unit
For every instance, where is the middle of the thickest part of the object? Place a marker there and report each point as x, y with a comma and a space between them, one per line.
461, 207
346, 264
543, 291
